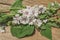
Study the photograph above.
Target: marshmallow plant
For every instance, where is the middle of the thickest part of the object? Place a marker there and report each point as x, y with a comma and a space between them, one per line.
4, 19
25, 19
30, 16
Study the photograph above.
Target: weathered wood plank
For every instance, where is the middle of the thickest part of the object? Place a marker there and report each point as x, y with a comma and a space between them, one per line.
7, 1
4, 8
56, 33
39, 2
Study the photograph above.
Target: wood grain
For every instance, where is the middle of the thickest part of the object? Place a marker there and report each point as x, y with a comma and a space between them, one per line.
5, 6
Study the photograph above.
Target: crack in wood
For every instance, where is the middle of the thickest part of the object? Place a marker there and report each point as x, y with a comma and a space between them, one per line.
5, 4
5, 12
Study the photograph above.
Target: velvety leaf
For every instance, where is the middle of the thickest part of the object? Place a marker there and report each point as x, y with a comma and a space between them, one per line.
43, 26
43, 16
16, 6
47, 32
22, 30
54, 19
4, 18
53, 24
57, 5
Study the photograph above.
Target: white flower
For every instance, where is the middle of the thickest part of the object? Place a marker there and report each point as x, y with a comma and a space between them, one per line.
26, 12
31, 20
15, 22
45, 21
38, 22
42, 9
20, 11
30, 11
28, 7
36, 14
29, 15
52, 4
35, 7
36, 10
17, 15
2, 30
31, 23
14, 18
34, 20
59, 4
24, 20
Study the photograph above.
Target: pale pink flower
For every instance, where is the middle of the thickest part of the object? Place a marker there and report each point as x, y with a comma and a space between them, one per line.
45, 20
42, 9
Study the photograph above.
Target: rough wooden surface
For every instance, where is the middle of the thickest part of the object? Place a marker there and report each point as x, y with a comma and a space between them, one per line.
38, 2
7, 1
5, 6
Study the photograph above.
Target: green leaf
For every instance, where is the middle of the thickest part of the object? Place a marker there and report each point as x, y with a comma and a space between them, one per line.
4, 18
16, 6
56, 5
42, 16
47, 32
54, 19
53, 24
49, 5
22, 30
42, 26
47, 14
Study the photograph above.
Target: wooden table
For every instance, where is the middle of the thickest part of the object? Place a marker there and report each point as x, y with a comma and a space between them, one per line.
5, 6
